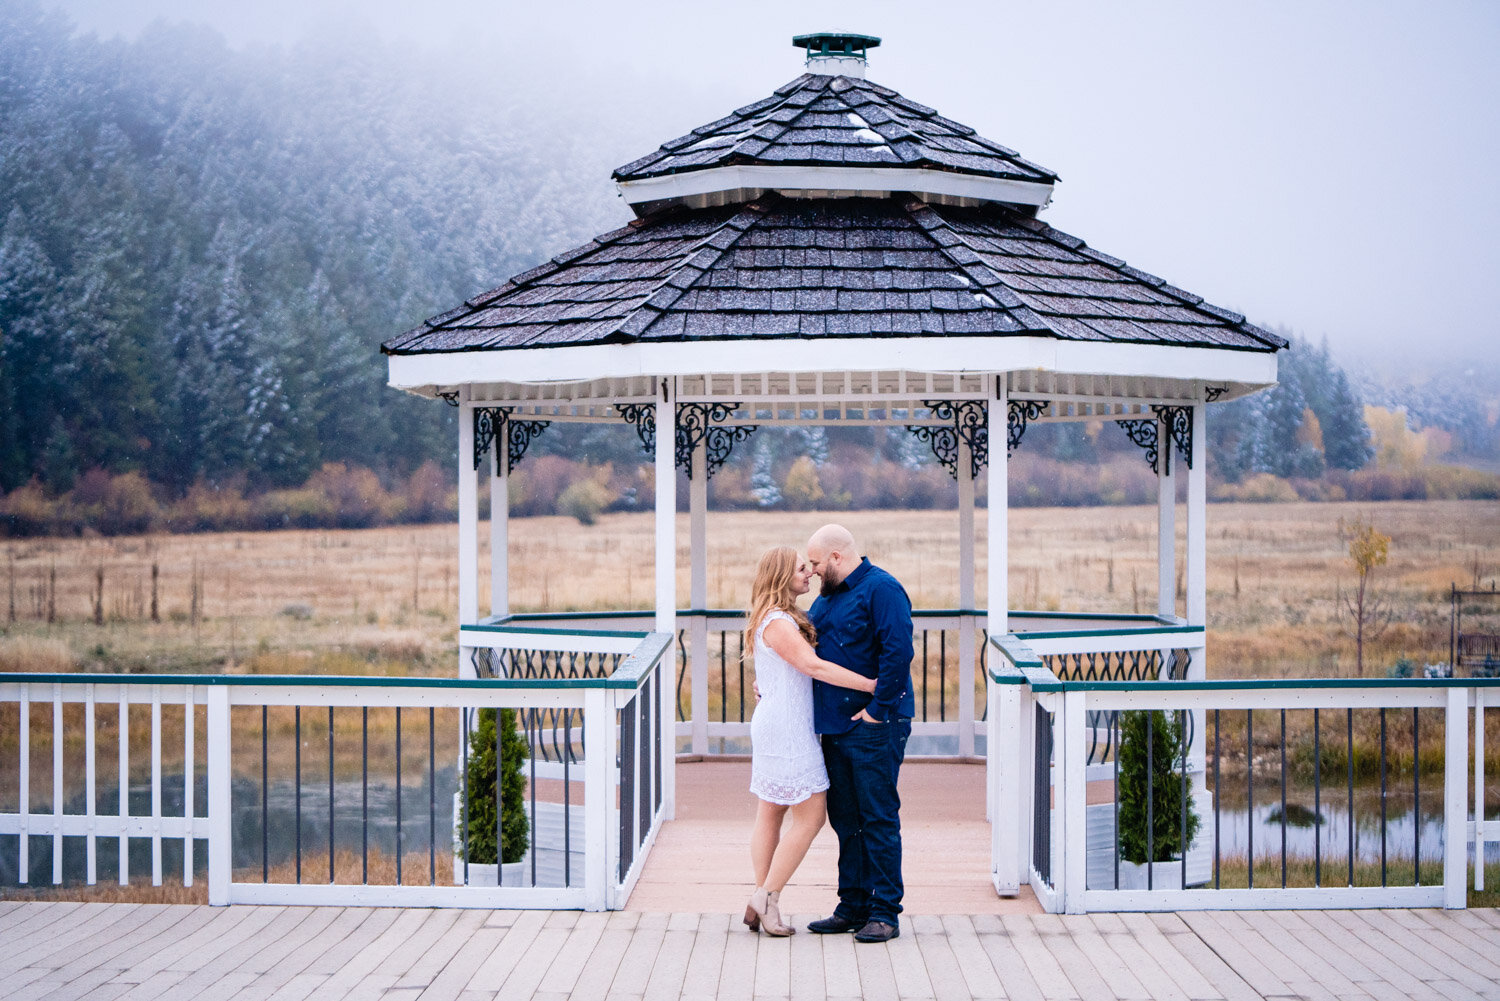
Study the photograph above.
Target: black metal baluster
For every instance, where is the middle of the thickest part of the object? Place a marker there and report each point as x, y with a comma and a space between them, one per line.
1041, 800
531, 746
567, 799
1150, 804
1283, 799
1317, 802
1416, 802
1183, 840
657, 738
431, 796
1250, 795
1382, 796
626, 722
942, 675
500, 805
1349, 737
1117, 811
398, 795
643, 754
364, 794
463, 784
724, 685
1217, 745
739, 642
330, 795
924, 675
297, 781
265, 803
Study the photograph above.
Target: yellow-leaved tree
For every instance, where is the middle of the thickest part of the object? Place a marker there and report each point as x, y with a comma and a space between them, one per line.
1368, 612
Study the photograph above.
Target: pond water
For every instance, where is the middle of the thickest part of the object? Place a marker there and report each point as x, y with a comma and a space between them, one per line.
1237, 824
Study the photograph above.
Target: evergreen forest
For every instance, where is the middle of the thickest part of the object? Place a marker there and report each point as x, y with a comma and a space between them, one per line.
202, 247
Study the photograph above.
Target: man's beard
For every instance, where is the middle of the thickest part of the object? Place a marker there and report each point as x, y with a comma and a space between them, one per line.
827, 584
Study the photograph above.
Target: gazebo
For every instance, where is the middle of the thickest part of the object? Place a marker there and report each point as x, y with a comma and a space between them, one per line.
837, 254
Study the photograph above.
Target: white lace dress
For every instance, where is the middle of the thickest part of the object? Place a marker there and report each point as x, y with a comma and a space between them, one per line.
786, 762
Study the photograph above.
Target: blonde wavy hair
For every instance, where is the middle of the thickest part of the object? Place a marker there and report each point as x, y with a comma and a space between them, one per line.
772, 591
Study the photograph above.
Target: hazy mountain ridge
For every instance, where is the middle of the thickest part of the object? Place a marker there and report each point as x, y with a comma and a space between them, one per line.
202, 247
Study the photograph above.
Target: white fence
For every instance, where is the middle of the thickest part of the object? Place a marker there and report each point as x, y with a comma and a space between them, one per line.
617, 769
1042, 828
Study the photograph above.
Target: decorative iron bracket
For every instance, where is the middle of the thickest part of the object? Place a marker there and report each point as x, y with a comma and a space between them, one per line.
1022, 412
1212, 393
969, 424
696, 423
493, 422
1146, 434
450, 397
1179, 423
643, 416
1143, 434
704, 423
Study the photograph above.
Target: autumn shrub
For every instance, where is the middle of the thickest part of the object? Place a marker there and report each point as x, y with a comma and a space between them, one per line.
802, 490
354, 495
1261, 488
27, 510
127, 506
540, 482
584, 500
428, 495
300, 508
211, 508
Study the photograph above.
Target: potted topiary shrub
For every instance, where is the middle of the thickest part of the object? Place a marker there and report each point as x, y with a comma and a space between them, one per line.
479, 787
1164, 846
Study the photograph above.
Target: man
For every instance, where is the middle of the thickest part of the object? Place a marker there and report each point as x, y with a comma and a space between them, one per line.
863, 618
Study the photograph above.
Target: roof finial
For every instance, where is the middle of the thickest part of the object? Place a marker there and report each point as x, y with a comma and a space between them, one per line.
836, 53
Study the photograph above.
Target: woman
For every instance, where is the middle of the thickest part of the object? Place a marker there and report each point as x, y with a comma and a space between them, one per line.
786, 771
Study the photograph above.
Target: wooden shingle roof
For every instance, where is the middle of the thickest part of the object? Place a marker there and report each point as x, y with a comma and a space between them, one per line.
836, 121
779, 268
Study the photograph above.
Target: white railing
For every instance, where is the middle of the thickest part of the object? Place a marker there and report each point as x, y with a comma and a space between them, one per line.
617, 755
1042, 824
712, 692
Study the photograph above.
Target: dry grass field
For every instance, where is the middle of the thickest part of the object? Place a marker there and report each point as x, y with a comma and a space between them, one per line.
383, 600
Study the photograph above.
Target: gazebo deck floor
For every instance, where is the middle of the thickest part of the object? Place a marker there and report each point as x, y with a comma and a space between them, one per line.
701, 861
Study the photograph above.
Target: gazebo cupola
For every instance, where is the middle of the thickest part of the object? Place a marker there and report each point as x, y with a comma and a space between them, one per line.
836, 253
832, 134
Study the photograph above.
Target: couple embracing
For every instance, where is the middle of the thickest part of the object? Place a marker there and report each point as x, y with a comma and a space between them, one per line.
829, 733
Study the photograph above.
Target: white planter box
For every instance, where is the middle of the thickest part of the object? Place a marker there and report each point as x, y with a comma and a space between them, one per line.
484, 873
1168, 875
1162, 875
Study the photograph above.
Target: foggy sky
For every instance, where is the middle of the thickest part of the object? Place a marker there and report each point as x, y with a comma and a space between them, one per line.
1327, 168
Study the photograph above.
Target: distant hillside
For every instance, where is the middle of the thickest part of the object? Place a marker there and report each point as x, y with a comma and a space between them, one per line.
201, 248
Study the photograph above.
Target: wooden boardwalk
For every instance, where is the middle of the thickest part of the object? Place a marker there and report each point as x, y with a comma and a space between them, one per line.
119, 951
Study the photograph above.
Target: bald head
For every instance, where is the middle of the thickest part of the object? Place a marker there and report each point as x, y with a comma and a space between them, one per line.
832, 554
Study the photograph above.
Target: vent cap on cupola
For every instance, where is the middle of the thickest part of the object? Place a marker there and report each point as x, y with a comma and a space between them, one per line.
833, 53
831, 133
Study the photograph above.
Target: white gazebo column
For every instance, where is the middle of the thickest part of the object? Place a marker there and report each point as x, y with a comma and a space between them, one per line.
468, 517
500, 528
1197, 527
966, 651
666, 580
1166, 524
996, 515
698, 595
1197, 581
1005, 764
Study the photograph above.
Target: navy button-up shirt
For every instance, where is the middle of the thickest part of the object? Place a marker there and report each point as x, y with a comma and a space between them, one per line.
864, 625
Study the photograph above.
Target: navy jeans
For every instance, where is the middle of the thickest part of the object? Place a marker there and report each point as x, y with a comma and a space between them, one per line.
864, 809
